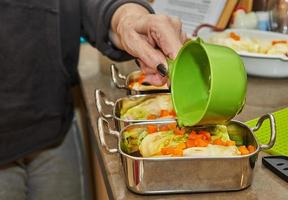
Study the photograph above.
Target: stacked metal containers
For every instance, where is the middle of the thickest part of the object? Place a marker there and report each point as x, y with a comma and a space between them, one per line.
175, 174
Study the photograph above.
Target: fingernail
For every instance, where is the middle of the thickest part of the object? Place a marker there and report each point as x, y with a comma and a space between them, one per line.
137, 62
162, 70
146, 83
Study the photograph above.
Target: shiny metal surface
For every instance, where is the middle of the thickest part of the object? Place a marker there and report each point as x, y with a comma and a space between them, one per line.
117, 77
272, 129
116, 107
184, 174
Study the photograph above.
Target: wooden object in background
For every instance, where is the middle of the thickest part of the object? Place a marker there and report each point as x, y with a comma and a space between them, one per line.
226, 14
246, 5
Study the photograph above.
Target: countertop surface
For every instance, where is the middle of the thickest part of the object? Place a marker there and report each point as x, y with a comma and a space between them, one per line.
263, 96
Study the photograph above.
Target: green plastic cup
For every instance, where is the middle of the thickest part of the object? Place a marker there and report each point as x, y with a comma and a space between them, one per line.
208, 84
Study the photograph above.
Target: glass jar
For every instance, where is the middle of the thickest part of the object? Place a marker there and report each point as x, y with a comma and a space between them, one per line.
279, 17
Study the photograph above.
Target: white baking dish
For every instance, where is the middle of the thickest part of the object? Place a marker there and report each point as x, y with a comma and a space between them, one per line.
256, 64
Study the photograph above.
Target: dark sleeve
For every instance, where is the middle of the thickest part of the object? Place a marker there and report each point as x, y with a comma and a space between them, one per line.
95, 21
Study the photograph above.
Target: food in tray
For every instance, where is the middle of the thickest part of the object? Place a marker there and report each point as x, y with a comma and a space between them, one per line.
243, 43
138, 84
170, 140
156, 107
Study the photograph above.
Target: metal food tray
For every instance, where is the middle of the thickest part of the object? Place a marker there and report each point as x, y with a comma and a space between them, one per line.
116, 106
189, 174
117, 77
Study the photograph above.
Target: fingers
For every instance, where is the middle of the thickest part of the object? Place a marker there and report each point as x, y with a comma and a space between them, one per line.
141, 48
150, 75
151, 39
165, 31
155, 79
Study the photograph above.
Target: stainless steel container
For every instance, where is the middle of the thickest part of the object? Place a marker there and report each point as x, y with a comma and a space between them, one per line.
117, 77
116, 107
184, 174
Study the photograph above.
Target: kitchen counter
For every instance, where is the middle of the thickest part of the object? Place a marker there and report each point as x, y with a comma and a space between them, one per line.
264, 95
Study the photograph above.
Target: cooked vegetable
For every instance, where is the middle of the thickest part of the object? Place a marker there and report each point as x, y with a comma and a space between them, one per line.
250, 44
170, 140
152, 144
132, 138
220, 132
234, 36
138, 84
243, 150
211, 150
152, 108
152, 128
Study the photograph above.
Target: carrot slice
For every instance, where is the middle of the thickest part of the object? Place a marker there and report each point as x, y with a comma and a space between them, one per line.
172, 126
243, 150
172, 113
190, 143
152, 128
141, 79
234, 36
151, 117
251, 148
132, 83
167, 150
164, 113
230, 143
177, 152
164, 128
218, 142
179, 131
206, 135
181, 146
201, 143
279, 42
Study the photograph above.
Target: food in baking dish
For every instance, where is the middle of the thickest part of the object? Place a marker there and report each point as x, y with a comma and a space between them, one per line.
245, 43
138, 84
168, 140
151, 108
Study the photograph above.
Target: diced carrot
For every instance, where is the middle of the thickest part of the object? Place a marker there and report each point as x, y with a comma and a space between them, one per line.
243, 150
167, 150
218, 142
164, 113
206, 135
151, 117
193, 135
141, 79
251, 148
177, 152
172, 113
131, 84
230, 143
181, 146
172, 126
164, 128
234, 36
201, 143
279, 42
179, 131
190, 143
152, 128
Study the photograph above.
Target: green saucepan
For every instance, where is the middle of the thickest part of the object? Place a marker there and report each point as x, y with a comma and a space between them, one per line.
208, 84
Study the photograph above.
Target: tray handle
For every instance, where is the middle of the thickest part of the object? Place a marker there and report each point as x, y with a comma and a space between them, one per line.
101, 97
271, 119
101, 132
116, 75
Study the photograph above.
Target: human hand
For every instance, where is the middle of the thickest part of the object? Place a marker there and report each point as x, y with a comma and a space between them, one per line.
149, 38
